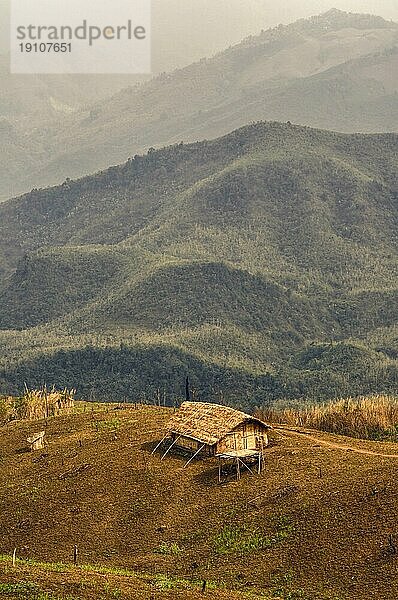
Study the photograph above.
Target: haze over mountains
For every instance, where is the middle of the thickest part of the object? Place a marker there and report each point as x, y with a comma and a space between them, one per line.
182, 31
335, 71
263, 264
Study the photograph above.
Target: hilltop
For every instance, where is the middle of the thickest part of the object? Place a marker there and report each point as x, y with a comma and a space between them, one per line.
262, 264
335, 71
315, 524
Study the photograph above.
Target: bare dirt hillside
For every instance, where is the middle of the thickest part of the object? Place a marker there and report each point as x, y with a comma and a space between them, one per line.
315, 524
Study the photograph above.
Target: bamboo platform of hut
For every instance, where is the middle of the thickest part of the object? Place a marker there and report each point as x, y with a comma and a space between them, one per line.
239, 458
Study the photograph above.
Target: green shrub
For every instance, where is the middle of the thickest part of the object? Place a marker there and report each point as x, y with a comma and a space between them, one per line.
171, 548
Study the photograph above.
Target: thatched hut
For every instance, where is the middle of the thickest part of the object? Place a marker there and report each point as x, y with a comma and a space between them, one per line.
215, 430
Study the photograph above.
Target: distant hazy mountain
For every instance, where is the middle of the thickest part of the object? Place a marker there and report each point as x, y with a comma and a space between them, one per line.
182, 31
263, 263
31, 100
336, 71
29, 103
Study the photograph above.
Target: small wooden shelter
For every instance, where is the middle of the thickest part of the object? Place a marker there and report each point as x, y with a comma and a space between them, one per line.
215, 430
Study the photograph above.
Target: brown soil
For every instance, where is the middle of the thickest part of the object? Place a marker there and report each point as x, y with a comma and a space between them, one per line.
326, 504
334, 445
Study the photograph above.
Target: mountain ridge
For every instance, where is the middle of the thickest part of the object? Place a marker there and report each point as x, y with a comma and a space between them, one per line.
264, 77
237, 254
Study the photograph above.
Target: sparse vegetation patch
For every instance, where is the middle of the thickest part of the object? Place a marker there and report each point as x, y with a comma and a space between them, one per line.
235, 539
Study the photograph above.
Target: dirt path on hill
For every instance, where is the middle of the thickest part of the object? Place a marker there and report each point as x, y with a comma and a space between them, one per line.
334, 445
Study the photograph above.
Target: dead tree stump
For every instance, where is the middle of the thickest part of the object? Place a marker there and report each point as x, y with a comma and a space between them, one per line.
392, 548
36, 441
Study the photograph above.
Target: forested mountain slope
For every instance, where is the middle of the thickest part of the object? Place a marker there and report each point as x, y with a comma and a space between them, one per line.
264, 264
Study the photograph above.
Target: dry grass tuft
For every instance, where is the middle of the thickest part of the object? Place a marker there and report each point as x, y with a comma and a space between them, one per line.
37, 404
374, 417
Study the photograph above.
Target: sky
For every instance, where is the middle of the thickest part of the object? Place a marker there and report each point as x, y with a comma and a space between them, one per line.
186, 30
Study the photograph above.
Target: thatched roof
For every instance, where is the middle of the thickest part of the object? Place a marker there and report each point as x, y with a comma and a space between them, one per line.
208, 423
